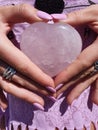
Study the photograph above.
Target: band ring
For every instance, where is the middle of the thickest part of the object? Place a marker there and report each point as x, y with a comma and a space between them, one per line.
96, 65
8, 73
95, 70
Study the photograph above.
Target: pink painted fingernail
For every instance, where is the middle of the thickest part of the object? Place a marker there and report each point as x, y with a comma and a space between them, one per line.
3, 110
44, 15
52, 98
59, 86
51, 89
59, 96
73, 102
59, 16
39, 106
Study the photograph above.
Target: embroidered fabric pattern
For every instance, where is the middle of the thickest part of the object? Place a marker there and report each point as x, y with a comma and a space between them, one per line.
81, 113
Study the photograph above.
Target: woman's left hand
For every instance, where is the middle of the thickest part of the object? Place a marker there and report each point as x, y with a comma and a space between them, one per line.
80, 72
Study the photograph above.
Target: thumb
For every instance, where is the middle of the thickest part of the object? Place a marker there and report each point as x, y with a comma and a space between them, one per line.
22, 13
83, 16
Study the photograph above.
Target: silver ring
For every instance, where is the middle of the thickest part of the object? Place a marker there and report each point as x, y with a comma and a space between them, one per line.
95, 70
96, 65
8, 73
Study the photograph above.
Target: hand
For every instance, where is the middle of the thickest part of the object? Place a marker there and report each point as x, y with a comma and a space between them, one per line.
30, 77
73, 74
22, 87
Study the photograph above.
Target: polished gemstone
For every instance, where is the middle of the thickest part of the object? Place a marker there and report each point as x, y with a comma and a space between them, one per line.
51, 46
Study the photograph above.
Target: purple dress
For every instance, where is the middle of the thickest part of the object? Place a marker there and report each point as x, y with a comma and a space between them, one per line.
59, 114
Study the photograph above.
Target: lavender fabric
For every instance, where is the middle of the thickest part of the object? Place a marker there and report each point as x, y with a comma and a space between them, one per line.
59, 114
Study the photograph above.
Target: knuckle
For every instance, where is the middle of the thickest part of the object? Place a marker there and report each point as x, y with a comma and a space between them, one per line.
21, 82
28, 12
76, 14
23, 68
23, 8
18, 78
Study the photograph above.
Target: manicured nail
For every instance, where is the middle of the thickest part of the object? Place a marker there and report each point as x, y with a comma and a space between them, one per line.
59, 96
3, 110
59, 16
73, 103
37, 105
44, 15
50, 22
51, 89
59, 86
52, 98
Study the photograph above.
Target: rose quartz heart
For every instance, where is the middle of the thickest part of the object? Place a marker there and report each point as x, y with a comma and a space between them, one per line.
51, 46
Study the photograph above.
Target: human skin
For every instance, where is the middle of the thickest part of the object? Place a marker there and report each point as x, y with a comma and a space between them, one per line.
28, 76
85, 60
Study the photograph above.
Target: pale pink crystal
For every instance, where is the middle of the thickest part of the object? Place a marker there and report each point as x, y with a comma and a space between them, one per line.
51, 46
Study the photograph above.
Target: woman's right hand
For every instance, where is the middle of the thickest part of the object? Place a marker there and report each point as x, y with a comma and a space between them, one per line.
30, 77
23, 87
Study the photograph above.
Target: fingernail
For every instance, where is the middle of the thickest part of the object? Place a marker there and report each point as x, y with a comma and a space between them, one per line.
73, 103
37, 105
59, 96
51, 89
59, 86
3, 110
52, 98
59, 16
44, 15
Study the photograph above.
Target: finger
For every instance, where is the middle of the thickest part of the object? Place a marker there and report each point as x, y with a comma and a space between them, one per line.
22, 13
3, 100
79, 88
21, 93
88, 74
27, 82
31, 85
83, 16
84, 61
18, 60
94, 92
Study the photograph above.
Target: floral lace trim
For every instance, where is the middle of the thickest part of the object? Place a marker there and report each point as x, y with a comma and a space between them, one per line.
77, 116
23, 126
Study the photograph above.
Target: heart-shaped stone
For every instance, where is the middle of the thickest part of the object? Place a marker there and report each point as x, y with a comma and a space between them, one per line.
51, 46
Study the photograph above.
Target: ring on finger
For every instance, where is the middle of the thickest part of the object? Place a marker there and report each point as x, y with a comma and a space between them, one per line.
8, 73
95, 70
88, 73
